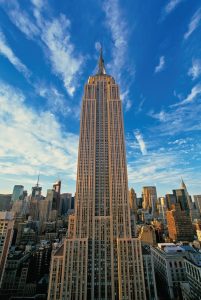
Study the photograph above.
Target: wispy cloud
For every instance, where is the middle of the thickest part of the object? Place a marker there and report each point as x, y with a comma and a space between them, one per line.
33, 140
20, 18
164, 165
139, 109
161, 65
141, 142
118, 28
56, 101
6, 51
161, 116
53, 35
194, 23
195, 71
171, 5
161, 169
169, 8
192, 96
180, 117
56, 36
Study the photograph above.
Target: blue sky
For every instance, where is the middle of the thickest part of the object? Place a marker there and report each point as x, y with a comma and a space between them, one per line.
47, 51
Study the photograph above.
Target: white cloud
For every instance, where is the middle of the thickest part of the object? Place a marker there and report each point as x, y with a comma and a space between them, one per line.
118, 28
161, 116
195, 70
125, 100
33, 140
55, 100
21, 19
195, 92
194, 23
169, 8
56, 36
139, 109
161, 169
164, 166
160, 65
128, 105
97, 46
178, 142
6, 51
181, 117
172, 4
141, 142
156, 167
53, 35
38, 3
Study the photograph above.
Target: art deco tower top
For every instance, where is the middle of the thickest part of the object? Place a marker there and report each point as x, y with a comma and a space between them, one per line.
101, 66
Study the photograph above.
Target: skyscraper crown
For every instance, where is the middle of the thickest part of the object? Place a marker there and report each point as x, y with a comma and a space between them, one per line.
101, 66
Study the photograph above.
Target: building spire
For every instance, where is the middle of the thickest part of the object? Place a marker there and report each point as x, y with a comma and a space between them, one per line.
101, 66
37, 184
183, 186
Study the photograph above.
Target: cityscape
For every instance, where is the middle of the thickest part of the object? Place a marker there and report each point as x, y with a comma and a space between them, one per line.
99, 198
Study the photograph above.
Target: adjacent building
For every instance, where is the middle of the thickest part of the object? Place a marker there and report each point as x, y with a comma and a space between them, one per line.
197, 200
179, 224
169, 268
17, 193
170, 200
149, 196
6, 235
193, 273
5, 201
149, 274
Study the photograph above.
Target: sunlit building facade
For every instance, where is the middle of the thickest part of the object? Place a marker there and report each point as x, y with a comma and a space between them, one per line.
6, 234
100, 259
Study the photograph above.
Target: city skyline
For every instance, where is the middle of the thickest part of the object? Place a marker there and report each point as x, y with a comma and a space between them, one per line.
157, 64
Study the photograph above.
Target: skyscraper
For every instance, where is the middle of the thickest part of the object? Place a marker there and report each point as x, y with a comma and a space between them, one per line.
149, 196
101, 260
179, 224
17, 193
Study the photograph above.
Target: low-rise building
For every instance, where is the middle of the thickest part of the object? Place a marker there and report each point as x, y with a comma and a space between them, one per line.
193, 273
170, 268
15, 280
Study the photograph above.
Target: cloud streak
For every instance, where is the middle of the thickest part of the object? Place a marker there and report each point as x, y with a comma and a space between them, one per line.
118, 28
194, 23
141, 142
169, 8
6, 51
192, 96
161, 65
172, 4
180, 117
195, 71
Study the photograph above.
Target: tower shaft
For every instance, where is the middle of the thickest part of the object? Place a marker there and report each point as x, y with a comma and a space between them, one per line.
101, 259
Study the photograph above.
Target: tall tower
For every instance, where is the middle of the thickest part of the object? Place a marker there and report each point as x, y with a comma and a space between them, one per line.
149, 196
101, 260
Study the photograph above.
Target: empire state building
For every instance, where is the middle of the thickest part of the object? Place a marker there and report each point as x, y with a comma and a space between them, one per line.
99, 259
